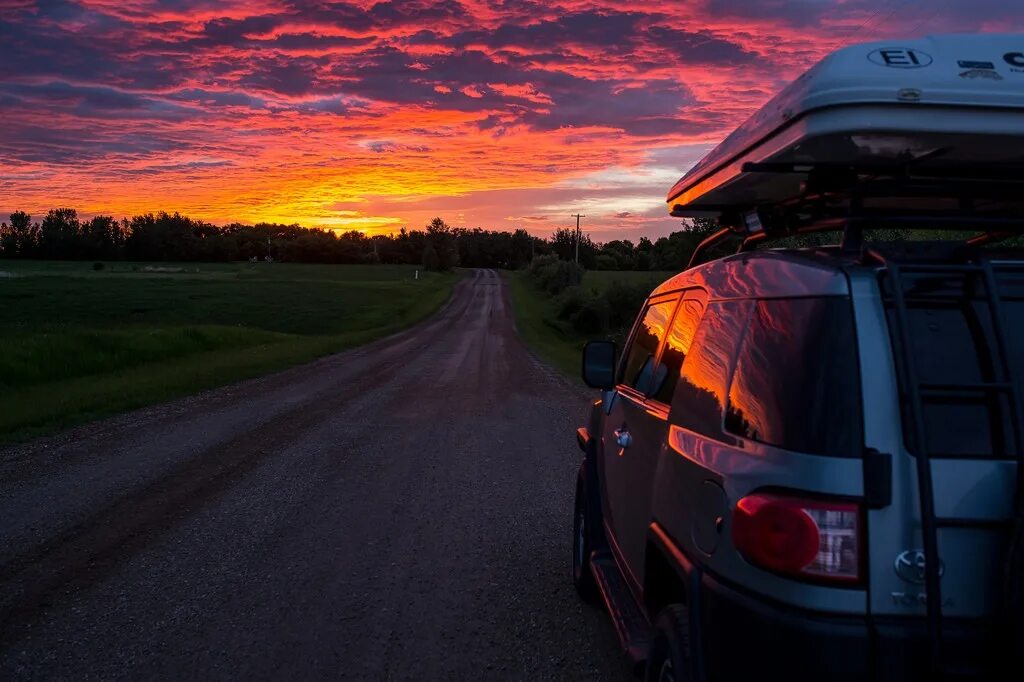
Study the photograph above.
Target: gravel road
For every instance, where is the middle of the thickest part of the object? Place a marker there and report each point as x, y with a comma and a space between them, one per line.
401, 510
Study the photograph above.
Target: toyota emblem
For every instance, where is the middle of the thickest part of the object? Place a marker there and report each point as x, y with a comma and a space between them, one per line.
910, 566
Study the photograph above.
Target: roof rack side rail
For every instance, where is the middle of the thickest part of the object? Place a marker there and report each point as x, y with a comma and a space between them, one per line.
709, 242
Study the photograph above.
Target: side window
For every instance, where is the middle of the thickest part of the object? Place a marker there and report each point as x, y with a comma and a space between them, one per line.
1012, 295
677, 345
638, 370
797, 383
699, 401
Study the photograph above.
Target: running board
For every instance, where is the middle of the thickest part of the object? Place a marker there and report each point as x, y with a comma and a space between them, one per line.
630, 622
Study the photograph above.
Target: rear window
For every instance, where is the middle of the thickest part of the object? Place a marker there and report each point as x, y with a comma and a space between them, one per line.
953, 344
797, 384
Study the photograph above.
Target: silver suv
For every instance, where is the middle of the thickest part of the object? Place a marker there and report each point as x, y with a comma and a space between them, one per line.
803, 465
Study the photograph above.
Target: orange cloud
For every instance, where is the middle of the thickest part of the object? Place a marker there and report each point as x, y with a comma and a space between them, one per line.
376, 115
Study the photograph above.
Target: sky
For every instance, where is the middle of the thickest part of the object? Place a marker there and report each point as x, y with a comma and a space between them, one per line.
381, 115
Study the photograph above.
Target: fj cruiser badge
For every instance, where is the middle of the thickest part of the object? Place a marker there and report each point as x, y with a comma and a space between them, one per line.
909, 566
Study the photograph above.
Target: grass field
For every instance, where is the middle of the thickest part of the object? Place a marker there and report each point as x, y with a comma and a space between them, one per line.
534, 310
601, 279
77, 343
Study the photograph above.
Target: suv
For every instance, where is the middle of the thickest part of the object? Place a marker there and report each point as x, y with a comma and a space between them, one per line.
804, 464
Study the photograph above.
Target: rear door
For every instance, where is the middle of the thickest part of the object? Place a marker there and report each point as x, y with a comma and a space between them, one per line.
636, 427
629, 428
968, 436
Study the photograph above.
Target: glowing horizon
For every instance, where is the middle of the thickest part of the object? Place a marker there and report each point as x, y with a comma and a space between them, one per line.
376, 116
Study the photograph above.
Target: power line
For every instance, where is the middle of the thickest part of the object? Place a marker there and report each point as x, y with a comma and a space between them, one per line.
849, 35
927, 19
873, 31
896, 9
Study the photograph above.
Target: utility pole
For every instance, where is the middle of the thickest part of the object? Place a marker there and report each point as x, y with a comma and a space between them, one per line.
577, 216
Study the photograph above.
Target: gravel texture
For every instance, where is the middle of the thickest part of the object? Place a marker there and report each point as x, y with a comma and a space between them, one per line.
401, 510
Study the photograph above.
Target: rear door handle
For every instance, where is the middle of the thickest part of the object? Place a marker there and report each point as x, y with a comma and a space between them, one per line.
623, 438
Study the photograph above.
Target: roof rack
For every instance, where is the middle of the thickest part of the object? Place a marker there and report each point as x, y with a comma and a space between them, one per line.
855, 198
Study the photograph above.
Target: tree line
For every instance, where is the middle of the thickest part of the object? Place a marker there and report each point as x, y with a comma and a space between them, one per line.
62, 235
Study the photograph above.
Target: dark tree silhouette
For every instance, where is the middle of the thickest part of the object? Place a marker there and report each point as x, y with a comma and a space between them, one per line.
171, 236
563, 243
60, 234
442, 240
20, 238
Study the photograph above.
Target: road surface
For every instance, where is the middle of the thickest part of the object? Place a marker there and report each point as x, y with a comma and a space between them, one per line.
401, 510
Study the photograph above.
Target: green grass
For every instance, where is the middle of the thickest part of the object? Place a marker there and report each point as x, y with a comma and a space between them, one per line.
531, 307
77, 344
602, 279
557, 343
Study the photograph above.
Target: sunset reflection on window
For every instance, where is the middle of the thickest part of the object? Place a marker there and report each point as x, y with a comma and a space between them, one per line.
700, 397
796, 383
639, 368
677, 345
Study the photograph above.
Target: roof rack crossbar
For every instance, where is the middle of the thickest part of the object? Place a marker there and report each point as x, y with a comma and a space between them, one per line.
841, 206
911, 169
853, 228
942, 222
852, 240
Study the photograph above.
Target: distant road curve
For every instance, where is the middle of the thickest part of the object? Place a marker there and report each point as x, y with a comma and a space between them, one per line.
400, 510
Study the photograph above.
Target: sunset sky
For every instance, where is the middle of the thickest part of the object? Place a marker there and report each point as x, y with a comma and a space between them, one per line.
374, 116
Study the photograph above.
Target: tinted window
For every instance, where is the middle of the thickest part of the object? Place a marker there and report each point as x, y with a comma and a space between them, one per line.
699, 401
952, 341
638, 370
1013, 327
796, 383
1012, 295
677, 345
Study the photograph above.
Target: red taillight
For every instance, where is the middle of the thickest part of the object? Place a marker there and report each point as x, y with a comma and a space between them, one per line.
811, 539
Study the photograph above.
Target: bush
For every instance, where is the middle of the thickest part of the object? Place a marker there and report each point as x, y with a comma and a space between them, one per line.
569, 301
624, 302
606, 262
540, 262
608, 313
591, 317
98, 266
555, 276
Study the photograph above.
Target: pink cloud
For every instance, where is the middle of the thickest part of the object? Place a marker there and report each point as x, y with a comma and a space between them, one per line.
504, 113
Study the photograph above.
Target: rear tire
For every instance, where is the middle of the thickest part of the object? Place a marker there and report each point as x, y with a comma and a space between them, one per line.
669, 659
582, 576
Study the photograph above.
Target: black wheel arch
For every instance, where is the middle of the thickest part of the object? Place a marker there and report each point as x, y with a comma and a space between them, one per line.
665, 581
671, 578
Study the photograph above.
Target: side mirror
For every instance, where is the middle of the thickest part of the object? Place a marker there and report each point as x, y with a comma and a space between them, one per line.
599, 365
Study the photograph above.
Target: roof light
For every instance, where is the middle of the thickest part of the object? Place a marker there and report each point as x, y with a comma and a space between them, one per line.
753, 222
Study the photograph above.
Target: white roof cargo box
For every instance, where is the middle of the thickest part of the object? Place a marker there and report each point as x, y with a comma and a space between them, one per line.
946, 106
